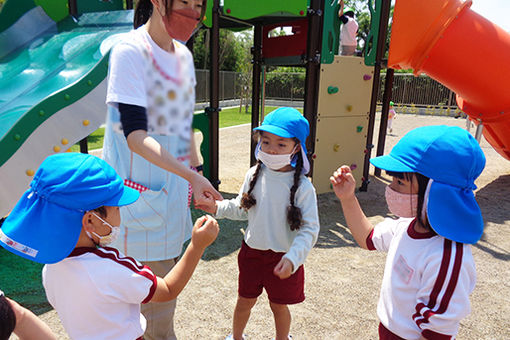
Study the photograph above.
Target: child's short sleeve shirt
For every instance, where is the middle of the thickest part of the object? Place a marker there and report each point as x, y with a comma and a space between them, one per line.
97, 293
427, 281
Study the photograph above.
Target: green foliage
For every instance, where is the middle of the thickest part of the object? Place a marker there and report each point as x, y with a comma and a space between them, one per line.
233, 50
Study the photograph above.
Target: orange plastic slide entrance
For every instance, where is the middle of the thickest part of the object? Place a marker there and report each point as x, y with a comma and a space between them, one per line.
462, 50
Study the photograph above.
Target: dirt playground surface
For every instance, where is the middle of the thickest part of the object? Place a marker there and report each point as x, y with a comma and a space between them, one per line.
342, 280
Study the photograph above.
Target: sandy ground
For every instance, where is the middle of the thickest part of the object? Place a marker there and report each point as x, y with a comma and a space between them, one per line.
342, 280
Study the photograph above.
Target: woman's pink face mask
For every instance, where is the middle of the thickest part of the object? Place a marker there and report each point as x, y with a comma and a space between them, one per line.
180, 23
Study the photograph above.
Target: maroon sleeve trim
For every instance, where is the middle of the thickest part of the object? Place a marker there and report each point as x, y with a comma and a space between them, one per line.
369, 242
153, 287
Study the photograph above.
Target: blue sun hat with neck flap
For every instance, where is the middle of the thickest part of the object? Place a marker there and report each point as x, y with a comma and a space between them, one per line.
452, 159
45, 224
288, 122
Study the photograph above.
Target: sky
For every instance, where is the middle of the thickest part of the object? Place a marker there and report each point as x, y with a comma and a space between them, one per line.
497, 11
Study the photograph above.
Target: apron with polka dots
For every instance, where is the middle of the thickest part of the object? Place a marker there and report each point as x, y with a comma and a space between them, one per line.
159, 222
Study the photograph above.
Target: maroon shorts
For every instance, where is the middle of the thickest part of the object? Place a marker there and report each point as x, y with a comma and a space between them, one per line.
256, 272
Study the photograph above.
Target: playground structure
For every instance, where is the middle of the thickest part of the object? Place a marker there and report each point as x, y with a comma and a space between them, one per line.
431, 37
53, 79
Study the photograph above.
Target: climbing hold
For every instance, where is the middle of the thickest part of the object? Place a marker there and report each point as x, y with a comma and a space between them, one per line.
17, 137
336, 147
353, 166
30, 172
348, 108
56, 148
314, 156
41, 113
86, 122
367, 77
228, 11
89, 82
359, 128
67, 97
64, 141
332, 89
301, 12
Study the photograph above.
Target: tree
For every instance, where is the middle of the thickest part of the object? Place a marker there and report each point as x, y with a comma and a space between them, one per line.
231, 50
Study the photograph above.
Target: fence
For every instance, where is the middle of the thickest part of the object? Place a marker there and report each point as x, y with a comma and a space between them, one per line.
422, 95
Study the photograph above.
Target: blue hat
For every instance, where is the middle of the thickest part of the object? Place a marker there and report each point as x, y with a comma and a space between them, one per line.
287, 122
452, 159
45, 224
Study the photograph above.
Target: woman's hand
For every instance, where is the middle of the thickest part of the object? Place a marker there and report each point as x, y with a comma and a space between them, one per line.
203, 192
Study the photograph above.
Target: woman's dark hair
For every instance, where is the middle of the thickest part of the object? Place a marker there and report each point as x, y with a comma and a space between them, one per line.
7, 318
423, 181
294, 217
143, 11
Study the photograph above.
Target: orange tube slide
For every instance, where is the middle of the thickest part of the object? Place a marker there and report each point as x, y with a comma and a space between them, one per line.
462, 50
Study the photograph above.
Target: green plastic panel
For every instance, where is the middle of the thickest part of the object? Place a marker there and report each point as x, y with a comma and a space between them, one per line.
330, 32
246, 10
373, 35
12, 10
56, 9
201, 123
87, 6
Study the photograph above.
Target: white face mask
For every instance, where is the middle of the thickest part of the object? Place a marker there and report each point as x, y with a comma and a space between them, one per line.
275, 162
106, 239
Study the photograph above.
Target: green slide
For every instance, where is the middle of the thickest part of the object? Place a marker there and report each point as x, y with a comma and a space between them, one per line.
52, 81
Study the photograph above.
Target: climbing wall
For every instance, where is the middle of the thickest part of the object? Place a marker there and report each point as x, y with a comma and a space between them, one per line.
342, 121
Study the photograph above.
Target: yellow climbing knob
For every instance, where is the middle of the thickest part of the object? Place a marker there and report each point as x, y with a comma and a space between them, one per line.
86, 122
56, 148
348, 108
64, 141
30, 172
171, 94
336, 147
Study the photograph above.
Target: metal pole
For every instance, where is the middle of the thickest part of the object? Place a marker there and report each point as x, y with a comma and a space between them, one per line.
129, 4
383, 125
255, 88
381, 44
214, 107
73, 8
313, 50
84, 148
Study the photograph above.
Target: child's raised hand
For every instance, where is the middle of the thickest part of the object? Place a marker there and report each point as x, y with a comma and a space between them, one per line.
204, 231
343, 182
283, 269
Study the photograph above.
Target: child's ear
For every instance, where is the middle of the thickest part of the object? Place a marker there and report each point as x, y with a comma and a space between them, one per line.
87, 222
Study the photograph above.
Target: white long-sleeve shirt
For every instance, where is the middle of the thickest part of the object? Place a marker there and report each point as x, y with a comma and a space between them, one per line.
267, 220
427, 281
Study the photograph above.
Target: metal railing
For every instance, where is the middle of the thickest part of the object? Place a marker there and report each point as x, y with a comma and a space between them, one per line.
418, 95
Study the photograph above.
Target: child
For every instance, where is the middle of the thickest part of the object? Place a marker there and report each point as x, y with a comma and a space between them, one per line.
391, 115
149, 140
281, 207
21, 321
66, 220
429, 271
348, 32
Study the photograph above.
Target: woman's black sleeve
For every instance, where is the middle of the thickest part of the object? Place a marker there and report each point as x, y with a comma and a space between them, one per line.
132, 117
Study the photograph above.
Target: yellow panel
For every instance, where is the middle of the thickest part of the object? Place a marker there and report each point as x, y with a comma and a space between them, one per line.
339, 141
349, 82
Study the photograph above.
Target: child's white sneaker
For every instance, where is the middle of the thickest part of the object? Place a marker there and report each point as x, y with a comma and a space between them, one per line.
231, 337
